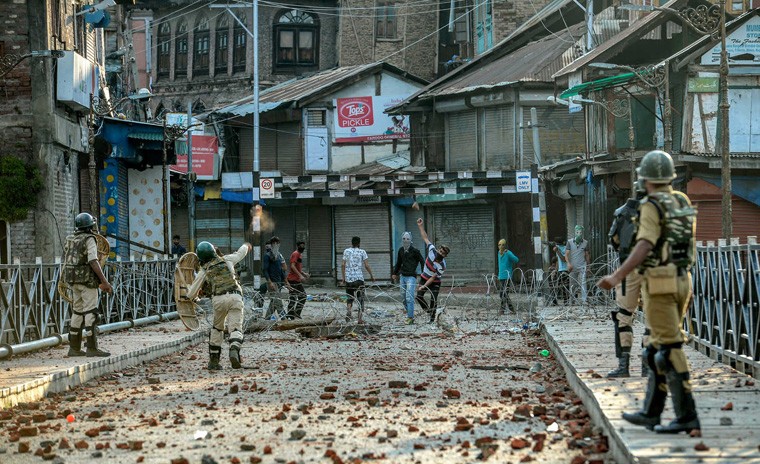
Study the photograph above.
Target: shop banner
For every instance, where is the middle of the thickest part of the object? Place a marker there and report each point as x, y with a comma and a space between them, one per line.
362, 119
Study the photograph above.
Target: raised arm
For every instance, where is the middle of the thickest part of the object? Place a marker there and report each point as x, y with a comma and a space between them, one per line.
422, 231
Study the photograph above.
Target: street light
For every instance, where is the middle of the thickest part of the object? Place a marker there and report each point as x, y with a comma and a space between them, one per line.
101, 107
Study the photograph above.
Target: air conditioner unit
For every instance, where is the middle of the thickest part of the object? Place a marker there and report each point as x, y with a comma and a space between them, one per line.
76, 80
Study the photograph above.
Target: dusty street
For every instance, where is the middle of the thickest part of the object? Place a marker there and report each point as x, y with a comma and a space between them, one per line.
401, 397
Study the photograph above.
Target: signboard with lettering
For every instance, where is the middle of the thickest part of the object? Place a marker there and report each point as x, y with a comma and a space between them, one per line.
523, 181
362, 119
703, 84
205, 148
742, 45
267, 187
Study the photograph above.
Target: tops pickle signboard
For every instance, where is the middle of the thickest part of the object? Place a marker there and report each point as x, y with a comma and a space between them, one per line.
362, 119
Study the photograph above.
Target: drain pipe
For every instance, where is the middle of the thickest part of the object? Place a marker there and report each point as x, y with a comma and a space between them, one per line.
7, 351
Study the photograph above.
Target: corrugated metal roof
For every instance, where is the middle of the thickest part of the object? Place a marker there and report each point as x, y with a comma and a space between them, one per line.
535, 62
302, 89
642, 26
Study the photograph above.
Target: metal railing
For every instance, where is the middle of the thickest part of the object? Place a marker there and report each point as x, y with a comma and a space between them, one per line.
32, 309
724, 318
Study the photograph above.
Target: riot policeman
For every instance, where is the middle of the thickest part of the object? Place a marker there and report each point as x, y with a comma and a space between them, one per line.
83, 274
627, 293
219, 276
664, 254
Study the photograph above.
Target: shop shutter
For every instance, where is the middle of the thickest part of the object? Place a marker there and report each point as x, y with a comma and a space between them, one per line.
268, 149
462, 146
289, 149
745, 216
245, 149
469, 232
319, 247
123, 210
180, 226
220, 223
499, 137
372, 224
560, 132
284, 229
84, 188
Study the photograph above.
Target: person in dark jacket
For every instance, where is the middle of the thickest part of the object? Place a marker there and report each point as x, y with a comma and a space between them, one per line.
274, 270
406, 266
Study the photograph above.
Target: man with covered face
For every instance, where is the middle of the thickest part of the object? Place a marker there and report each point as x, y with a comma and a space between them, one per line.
432, 271
507, 262
578, 259
406, 266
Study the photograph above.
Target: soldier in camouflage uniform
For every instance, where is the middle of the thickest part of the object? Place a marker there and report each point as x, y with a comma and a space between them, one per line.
82, 272
218, 276
622, 237
664, 254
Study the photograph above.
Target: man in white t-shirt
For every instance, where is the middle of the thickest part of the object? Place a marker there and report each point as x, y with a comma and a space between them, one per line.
353, 277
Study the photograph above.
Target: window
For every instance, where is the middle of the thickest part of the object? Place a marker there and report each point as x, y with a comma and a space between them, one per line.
296, 35
222, 45
240, 37
180, 58
385, 21
164, 49
201, 47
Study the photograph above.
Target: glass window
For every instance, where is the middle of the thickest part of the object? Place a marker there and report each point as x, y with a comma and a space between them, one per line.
164, 47
385, 22
222, 45
180, 52
296, 39
240, 37
201, 47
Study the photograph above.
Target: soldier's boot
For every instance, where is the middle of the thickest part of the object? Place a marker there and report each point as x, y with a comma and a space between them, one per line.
75, 345
656, 394
235, 353
683, 404
644, 342
623, 367
92, 348
214, 353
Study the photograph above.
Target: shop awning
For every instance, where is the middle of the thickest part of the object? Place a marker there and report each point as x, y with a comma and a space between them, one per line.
746, 187
598, 84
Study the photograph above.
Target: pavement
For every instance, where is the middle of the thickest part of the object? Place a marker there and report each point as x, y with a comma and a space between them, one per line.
727, 400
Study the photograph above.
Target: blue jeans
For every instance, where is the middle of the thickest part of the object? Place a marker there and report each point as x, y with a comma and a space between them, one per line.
408, 287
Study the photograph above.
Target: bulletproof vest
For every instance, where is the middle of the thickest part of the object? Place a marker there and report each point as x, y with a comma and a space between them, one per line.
220, 278
678, 219
76, 268
624, 227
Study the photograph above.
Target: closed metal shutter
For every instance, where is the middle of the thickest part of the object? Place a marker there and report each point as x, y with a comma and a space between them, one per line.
319, 250
84, 189
371, 224
284, 229
245, 149
220, 223
268, 149
560, 132
462, 146
469, 232
746, 217
123, 209
579, 217
180, 226
289, 149
499, 137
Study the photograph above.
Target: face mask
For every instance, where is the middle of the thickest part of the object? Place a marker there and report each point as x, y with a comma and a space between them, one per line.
276, 248
406, 243
301, 249
438, 257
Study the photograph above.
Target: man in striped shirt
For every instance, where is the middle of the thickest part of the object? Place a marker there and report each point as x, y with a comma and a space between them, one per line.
430, 279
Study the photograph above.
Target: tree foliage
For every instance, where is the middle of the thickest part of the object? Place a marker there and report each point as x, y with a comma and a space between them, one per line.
19, 185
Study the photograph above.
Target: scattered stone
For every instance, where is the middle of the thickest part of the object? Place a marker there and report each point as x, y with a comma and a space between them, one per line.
135, 445
96, 414
28, 431
64, 444
206, 459
297, 434
451, 393
540, 389
726, 421
81, 444
153, 380
331, 388
206, 422
179, 461
728, 407
398, 384
92, 433
390, 433
247, 447
519, 443
537, 367
99, 454
234, 388
701, 447
23, 447
326, 396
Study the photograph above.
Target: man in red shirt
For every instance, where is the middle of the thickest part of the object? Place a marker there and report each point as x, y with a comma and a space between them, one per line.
297, 297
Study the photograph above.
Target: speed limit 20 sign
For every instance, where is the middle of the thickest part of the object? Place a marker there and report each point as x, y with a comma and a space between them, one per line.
267, 188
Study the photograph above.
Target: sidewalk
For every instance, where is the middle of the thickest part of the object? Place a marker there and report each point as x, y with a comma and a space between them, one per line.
29, 377
585, 350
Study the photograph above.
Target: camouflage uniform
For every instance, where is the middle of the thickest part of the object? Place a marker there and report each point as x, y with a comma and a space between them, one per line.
667, 221
219, 277
79, 250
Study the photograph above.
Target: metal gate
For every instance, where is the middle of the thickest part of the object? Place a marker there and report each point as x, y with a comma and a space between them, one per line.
469, 232
372, 224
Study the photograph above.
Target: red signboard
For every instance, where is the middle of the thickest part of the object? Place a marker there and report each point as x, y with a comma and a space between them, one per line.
205, 148
355, 112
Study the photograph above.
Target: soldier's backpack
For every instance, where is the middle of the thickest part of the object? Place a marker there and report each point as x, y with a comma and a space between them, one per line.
678, 218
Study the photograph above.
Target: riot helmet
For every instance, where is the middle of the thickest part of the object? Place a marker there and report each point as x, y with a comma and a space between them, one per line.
84, 221
657, 167
205, 252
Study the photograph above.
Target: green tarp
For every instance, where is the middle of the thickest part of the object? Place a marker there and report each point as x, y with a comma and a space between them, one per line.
598, 84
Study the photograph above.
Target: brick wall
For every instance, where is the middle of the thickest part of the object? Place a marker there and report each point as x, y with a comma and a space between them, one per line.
509, 14
414, 50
